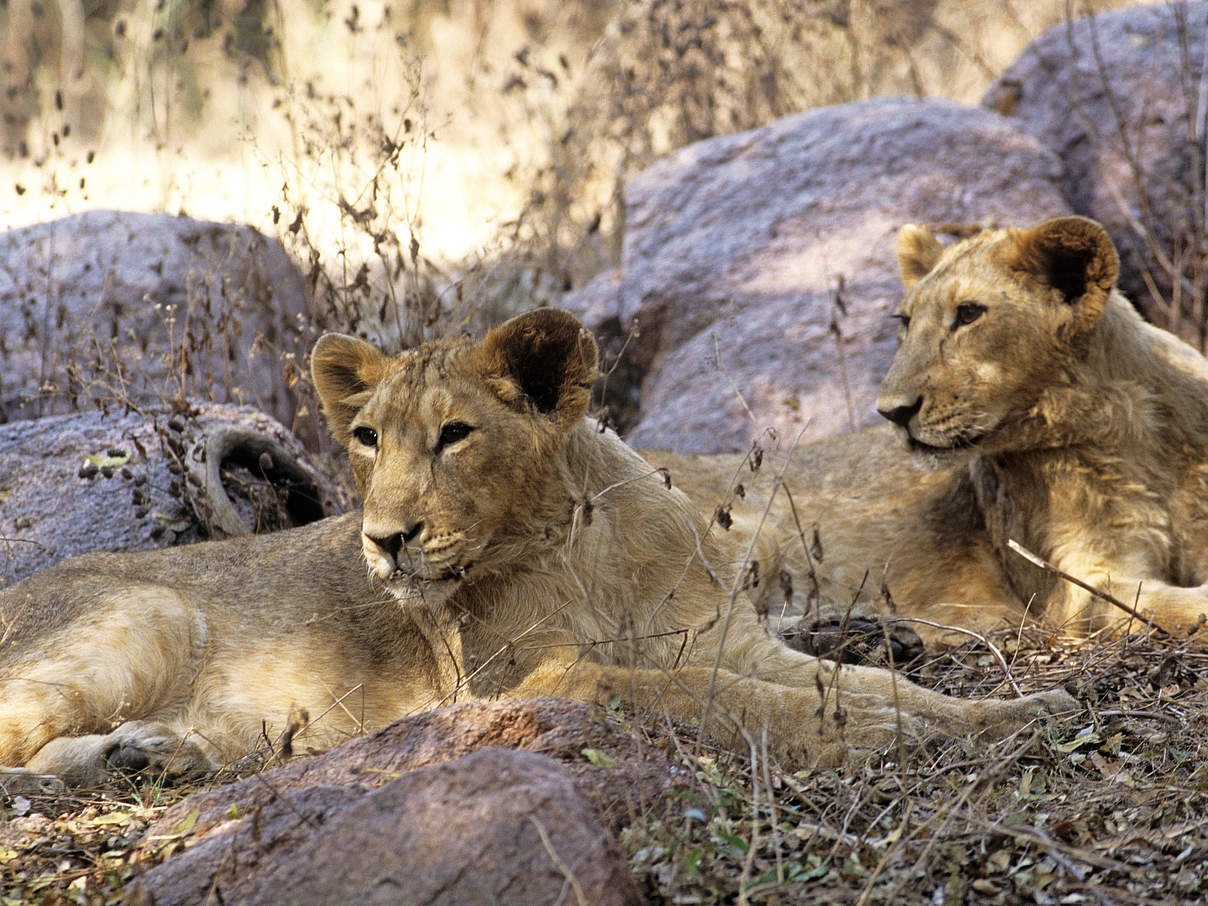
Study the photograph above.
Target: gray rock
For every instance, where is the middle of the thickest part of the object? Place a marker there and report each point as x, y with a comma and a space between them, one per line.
1113, 95
70, 484
496, 826
428, 810
737, 249
147, 308
631, 777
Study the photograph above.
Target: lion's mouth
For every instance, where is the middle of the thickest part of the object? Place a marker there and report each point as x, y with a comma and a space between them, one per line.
415, 583
962, 443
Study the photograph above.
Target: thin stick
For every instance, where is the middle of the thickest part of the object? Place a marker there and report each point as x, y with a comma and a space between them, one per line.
1085, 586
1002, 661
737, 587
1141, 715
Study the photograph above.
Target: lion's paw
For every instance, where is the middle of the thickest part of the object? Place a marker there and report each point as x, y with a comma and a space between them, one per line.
1054, 703
997, 718
137, 747
854, 639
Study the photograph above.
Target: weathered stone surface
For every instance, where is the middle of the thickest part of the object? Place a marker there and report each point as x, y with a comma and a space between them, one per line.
431, 809
737, 248
111, 305
496, 826
553, 727
70, 484
1114, 95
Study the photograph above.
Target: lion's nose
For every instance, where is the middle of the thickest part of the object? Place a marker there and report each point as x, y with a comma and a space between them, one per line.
902, 414
392, 544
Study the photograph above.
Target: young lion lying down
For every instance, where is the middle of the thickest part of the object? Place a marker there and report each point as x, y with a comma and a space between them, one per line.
514, 548
1034, 406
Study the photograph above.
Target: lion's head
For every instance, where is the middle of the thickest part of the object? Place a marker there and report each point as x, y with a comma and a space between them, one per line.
989, 325
452, 443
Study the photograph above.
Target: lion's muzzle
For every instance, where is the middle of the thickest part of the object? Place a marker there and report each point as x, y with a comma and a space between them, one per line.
387, 552
898, 411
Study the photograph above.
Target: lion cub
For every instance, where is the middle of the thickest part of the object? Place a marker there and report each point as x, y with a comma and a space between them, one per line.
1032, 405
508, 546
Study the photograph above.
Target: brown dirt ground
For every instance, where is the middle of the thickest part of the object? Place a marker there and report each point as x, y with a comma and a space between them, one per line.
1111, 808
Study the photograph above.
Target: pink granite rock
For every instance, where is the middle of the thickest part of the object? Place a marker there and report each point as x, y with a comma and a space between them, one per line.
115, 306
1119, 97
758, 268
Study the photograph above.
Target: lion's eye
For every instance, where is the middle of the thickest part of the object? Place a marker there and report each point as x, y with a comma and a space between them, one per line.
902, 319
365, 435
968, 312
451, 434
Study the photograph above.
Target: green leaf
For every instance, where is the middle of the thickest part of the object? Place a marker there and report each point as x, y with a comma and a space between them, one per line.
599, 759
111, 818
107, 462
187, 824
1085, 738
734, 840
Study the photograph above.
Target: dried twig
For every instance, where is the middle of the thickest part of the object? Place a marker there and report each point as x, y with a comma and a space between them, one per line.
560, 863
1036, 560
1002, 661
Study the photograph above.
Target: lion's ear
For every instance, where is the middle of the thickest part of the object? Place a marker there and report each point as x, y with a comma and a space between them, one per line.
544, 359
1074, 256
918, 250
345, 371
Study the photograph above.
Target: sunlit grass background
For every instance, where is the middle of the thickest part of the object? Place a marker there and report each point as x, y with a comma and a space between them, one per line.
476, 137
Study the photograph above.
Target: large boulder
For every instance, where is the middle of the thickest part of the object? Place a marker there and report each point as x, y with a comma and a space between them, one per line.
116, 307
757, 271
497, 826
70, 484
1119, 97
474, 803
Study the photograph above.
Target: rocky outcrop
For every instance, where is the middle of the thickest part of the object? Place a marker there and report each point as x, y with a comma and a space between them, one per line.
757, 273
475, 803
122, 307
497, 826
70, 484
1119, 97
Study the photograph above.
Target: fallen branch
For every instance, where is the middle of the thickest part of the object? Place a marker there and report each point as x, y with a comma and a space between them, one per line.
1085, 586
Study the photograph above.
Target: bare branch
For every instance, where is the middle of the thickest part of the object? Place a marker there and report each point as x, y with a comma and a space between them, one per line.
1085, 586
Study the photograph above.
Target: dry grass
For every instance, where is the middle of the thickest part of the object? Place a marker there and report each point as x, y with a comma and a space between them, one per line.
1107, 809
418, 191
519, 122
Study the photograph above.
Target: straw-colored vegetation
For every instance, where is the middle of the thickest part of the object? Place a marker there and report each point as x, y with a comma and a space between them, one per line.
453, 132
441, 162
1110, 810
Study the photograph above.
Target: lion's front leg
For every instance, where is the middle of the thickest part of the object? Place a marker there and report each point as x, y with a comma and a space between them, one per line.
735, 711
1140, 598
861, 691
1181, 612
848, 713
868, 698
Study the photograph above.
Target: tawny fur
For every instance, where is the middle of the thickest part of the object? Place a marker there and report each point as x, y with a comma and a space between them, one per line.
1056, 418
514, 548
